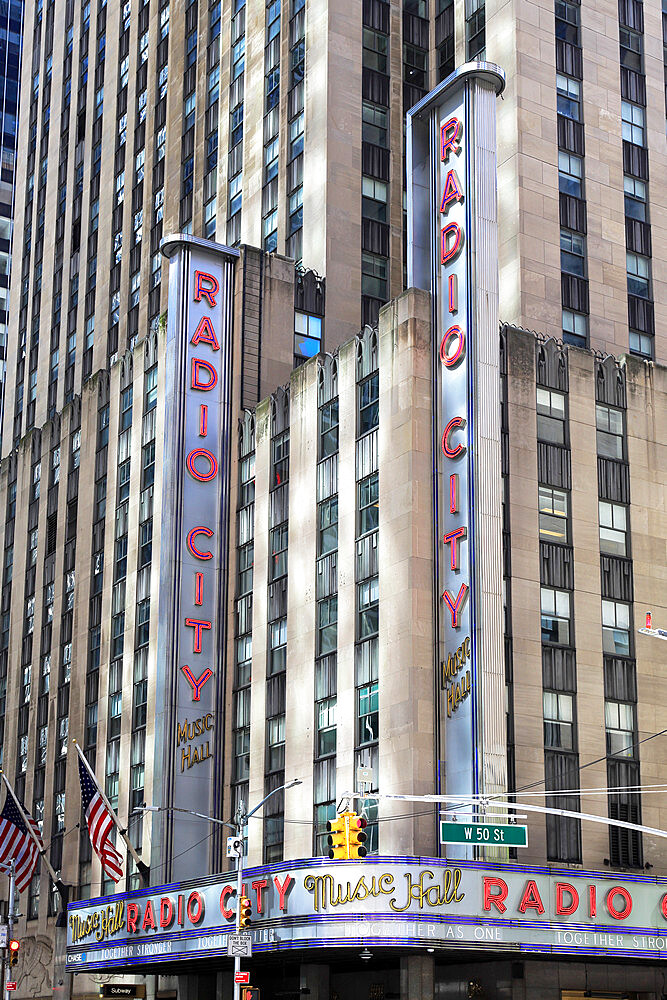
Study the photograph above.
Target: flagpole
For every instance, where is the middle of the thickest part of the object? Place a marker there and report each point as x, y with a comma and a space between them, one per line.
59, 884
144, 870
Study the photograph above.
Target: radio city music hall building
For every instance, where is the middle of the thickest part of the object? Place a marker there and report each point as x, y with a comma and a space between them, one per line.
425, 554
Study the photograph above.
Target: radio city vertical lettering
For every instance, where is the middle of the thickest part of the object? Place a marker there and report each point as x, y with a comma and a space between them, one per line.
193, 547
452, 252
455, 485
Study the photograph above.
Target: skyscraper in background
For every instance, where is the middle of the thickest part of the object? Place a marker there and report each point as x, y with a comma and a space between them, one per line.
11, 29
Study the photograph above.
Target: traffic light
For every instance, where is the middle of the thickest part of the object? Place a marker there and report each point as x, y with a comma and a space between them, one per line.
250, 993
337, 839
245, 909
346, 837
357, 837
14, 946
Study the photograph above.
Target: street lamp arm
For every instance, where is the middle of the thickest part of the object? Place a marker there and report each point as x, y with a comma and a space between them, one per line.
189, 812
290, 784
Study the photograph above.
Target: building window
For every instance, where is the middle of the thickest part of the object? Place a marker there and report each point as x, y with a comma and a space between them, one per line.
570, 173
568, 96
631, 48
635, 198
415, 66
572, 253
609, 431
307, 336
374, 124
369, 409
374, 276
278, 566
326, 727
368, 504
375, 49
475, 29
280, 459
367, 608
641, 343
637, 269
275, 744
619, 722
367, 714
329, 429
633, 122
613, 528
277, 646
575, 328
327, 625
555, 615
567, 21
327, 533
553, 514
558, 720
550, 416
616, 628
374, 199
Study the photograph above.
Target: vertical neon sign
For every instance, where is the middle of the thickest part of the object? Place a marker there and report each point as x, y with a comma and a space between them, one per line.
452, 252
193, 553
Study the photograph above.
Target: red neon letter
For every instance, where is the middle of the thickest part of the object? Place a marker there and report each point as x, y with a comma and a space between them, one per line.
446, 449
197, 682
592, 903
456, 605
448, 357
190, 541
205, 334
205, 384
195, 907
451, 242
531, 898
180, 917
203, 420
224, 896
496, 898
663, 906
202, 477
199, 625
199, 588
206, 293
166, 912
452, 191
453, 493
149, 916
618, 890
450, 133
282, 890
453, 293
561, 889
259, 887
132, 917
452, 538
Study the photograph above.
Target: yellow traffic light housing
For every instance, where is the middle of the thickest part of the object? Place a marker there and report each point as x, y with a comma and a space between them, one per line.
337, 839
357, 837
245, 909
346, 837
14, 947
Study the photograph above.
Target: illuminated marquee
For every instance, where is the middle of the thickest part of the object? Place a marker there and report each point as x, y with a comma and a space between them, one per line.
384, 901
193, 562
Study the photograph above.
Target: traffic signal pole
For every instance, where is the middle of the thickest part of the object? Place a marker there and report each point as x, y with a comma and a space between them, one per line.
239, 894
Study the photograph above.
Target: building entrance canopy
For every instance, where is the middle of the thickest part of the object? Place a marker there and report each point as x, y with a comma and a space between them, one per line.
398, 902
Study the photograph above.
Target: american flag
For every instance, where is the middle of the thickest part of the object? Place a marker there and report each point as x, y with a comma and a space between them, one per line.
100, 825
16, 843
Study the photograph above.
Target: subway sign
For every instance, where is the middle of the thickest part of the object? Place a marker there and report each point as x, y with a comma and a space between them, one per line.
452, 252
193, 552
390, 902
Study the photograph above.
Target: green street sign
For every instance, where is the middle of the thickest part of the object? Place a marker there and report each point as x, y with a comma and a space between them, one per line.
504, 835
